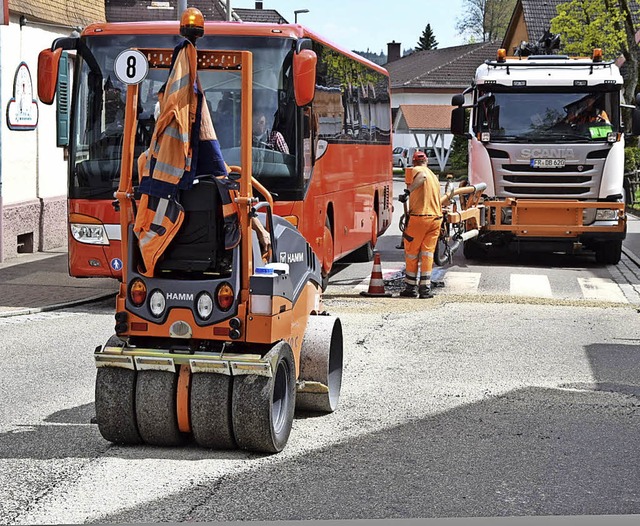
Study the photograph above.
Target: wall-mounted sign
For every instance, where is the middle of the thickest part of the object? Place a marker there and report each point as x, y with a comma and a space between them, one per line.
22, 110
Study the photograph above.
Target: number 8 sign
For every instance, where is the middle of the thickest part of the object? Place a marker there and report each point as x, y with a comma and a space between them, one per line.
131, 66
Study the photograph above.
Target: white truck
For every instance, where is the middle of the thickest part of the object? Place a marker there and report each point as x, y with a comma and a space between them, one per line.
546, 137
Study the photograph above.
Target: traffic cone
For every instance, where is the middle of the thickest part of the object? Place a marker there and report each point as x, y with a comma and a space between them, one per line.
376, 283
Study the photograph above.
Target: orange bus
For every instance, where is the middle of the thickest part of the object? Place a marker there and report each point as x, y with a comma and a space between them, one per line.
334, 182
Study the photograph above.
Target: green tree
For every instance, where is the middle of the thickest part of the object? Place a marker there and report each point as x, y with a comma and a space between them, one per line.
485, 20
427, 40
607, 24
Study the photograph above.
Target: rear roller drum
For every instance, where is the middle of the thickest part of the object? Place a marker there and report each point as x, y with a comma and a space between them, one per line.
156, 411
321, 365
262, 408
115, 405
210, 402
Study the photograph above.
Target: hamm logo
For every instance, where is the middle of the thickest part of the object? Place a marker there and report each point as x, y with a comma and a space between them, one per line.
179, 296
291, 257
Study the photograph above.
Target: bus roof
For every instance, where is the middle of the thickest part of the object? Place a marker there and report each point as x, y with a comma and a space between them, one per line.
224, 28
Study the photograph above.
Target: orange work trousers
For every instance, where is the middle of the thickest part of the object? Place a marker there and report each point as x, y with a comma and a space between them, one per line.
425, 231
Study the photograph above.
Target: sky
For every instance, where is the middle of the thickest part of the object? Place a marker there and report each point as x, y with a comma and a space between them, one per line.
370, 24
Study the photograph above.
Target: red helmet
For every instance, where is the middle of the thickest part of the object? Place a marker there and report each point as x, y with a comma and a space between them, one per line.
419, 155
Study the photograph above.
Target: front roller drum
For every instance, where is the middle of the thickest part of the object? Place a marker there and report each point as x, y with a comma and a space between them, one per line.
115, 405
156, 412
210, 410
321, 358
262, 407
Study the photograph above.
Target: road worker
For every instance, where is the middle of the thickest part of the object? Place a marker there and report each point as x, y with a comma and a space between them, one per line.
422, 227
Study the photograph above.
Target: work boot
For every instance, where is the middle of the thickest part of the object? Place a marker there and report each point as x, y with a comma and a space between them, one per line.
424, 292
435, 284
409, 292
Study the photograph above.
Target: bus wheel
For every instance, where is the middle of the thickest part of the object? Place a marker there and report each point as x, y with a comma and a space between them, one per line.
115, 405
609, 252
210, 402
321, 363
156, 412
262, 408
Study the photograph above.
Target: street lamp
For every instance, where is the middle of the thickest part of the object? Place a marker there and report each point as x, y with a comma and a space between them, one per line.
295, 13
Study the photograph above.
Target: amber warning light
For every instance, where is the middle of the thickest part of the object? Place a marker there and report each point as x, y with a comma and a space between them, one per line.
192, 23
502, 55
597, 55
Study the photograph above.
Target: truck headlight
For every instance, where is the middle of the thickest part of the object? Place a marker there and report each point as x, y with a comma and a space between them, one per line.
157, 303
607, 214
90, 234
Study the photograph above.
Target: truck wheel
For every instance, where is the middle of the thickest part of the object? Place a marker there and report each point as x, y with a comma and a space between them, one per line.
115, 405
210, 402
321, 358
472, 249
609, 252
156, 408
262, 408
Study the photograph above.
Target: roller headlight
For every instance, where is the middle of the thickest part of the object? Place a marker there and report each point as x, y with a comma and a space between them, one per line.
204, 305
157, 303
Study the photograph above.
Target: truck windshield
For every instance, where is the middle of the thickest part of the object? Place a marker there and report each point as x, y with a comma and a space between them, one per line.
99, 101
547, 116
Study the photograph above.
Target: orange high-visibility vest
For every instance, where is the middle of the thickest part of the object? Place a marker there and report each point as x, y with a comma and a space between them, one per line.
183, 145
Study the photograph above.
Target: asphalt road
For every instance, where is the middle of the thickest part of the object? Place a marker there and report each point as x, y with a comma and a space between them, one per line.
448, 410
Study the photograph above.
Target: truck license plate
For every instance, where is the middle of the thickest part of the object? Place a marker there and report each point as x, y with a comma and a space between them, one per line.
547, 163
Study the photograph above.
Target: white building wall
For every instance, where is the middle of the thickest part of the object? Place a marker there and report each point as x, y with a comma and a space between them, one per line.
406, 140
33, 169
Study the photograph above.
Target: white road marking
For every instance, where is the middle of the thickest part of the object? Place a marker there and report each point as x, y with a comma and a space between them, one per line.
601, 289
461, 282
534, 285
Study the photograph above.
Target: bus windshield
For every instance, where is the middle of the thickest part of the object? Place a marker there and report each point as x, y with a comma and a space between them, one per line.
548, 116
99, 101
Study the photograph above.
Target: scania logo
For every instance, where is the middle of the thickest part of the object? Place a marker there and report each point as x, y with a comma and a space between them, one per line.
548, 153
179, 296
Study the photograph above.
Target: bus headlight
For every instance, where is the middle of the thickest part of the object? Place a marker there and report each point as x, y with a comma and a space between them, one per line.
607, 214
204, 305
90, 234
157, 303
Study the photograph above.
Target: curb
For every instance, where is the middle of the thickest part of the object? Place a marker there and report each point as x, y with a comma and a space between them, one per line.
56, 306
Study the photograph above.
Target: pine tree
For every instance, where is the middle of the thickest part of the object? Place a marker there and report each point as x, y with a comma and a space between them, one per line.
427, 40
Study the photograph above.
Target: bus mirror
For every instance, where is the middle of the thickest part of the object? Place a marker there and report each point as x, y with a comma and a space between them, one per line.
48, 62
635, 122
457, 100
304, 76
457, 121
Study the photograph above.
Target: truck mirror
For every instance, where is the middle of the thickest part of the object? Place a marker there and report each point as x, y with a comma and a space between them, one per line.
48, 62
457, 100
457, 121
637, 99
635, 122
304, 76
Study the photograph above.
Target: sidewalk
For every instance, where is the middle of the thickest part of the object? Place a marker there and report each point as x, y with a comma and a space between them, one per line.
40, 282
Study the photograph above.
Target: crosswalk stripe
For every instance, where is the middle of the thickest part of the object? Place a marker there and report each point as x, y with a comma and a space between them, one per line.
535, 285
462, 282
601, 289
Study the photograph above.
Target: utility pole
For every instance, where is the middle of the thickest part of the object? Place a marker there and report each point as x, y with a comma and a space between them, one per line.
182, 6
